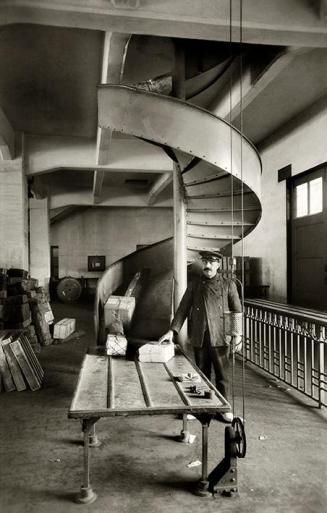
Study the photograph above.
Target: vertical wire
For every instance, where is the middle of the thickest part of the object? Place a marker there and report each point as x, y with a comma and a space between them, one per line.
231, 175
242, 205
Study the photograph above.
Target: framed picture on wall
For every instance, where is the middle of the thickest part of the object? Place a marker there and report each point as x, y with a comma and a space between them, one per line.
96, 263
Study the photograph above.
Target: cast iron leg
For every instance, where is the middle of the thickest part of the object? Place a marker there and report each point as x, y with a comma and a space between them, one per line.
185, 434
202, 486
87, 495
205, 427
93, 439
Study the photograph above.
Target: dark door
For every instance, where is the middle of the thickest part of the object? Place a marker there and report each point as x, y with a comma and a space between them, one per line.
309, 240
54, 262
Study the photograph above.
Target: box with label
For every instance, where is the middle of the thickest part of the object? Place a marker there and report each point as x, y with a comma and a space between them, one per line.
119, 308
64, 328
157, 353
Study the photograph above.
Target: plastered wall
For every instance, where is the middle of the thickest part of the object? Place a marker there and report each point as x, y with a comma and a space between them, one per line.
39, 241
114, 232
303, 144
13, 215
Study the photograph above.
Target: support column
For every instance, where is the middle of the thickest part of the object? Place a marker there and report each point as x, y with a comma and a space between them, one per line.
13, 214
180, 258
40, 241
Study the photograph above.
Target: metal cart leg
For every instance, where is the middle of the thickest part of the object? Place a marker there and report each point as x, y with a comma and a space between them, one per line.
205, 427
93, 438
185, 434
87, 495
202, 486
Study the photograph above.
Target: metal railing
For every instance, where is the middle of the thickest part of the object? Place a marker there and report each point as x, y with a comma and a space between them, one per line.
289, 343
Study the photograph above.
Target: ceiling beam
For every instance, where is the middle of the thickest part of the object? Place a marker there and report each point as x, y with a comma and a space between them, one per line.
281, 22
237, 91
98, 177
158, 186
228, 87
111, 197
251, 92
59, 214
7, 138
323, 9
113, 63
45, 154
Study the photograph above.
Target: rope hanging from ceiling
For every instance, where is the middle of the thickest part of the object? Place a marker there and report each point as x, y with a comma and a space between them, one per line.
241, 281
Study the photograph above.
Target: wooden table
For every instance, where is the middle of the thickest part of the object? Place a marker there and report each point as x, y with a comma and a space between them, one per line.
113, 386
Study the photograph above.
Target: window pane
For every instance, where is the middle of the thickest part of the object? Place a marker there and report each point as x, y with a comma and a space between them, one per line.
302, 200
315, 195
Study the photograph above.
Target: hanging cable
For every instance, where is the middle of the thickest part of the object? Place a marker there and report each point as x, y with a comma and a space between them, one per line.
242, 207
231, 175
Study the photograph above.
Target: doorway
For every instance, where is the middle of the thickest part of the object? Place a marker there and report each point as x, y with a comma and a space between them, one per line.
54, 262
308, 239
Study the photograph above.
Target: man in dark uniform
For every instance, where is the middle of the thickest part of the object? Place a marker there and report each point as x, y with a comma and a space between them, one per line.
206, 299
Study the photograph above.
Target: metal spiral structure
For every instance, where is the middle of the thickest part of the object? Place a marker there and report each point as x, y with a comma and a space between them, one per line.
220, 168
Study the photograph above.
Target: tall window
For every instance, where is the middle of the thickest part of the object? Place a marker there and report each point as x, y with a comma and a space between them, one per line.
309, 198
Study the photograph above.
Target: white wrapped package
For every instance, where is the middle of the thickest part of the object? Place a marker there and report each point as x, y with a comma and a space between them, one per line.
64, 328
156, 353
116, 345
119, 308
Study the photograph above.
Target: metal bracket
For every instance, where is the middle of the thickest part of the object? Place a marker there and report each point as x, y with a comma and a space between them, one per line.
223, 477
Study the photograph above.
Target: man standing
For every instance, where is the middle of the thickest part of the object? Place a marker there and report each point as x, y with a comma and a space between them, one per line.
206, 299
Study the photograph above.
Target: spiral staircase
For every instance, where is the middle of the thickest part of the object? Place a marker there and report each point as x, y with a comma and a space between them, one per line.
220, 171
219, 167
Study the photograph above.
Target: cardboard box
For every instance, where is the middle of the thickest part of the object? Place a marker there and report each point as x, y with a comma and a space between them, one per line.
64, 328
119, 308
157, 353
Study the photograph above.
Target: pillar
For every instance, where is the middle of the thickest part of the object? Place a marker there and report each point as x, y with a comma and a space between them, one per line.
180, 257
40, 241
13, 215
180, 250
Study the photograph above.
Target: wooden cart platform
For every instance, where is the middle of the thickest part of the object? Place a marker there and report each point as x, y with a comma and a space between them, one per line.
110, 386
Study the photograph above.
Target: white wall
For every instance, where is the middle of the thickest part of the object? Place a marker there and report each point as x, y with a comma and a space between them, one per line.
39, 241
303, 144
113, 232
13, 215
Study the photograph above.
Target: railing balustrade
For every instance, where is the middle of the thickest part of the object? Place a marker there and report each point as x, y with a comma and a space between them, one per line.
289, 343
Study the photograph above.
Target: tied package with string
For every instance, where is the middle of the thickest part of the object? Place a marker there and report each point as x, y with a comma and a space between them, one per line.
119, 308
116, 343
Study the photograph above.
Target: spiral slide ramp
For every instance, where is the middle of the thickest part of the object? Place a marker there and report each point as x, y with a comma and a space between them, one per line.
220, 168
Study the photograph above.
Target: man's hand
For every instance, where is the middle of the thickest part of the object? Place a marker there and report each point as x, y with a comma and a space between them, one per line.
237, 344
167, 337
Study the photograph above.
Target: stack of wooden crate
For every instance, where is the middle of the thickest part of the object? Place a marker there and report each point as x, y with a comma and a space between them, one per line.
24, 305
19, 367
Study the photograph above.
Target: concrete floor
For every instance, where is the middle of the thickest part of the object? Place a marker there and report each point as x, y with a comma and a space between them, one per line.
139, 467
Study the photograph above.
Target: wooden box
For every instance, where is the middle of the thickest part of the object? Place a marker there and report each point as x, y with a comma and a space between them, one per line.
119, 308
64, 328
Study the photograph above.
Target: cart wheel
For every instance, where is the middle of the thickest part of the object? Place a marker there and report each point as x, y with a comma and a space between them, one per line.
240, 438
69, 290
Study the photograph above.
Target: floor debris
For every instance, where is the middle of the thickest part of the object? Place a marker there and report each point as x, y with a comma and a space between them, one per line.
195, 463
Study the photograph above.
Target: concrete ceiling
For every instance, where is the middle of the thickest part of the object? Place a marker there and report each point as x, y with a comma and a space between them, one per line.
52, 58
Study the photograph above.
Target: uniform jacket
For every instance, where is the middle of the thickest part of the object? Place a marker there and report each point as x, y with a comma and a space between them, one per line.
204, 302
